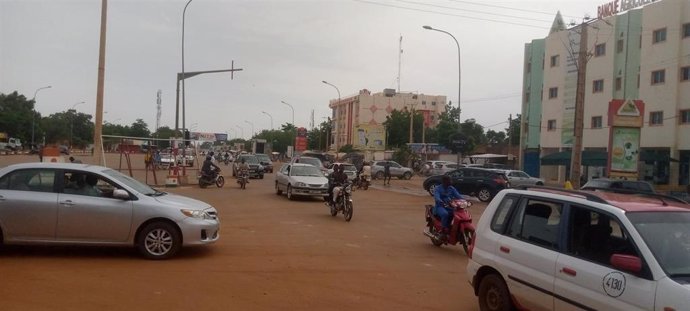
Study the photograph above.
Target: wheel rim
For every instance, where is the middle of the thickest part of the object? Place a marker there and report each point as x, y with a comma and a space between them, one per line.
484, 195
289, 192
220, 182
493, 298
158, 242
407, 176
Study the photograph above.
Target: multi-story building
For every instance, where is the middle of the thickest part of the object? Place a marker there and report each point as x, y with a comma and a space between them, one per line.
358, 119
638, 57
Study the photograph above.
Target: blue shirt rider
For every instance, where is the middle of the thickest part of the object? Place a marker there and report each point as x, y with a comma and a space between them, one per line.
443, 195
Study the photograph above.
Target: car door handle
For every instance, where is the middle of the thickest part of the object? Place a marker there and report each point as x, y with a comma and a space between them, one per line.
569, 271
67, 202
505, 249
2, 198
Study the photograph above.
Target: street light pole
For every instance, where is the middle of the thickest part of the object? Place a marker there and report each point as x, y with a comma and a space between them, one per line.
184, 11
270, 116
33, 115
71, 127
293, 125
241, 129
330, 126
252, 124
459, 77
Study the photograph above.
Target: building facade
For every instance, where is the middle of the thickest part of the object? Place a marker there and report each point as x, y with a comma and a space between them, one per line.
358, 119
638, 58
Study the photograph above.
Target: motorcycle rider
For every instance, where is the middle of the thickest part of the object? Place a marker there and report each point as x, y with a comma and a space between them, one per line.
209, 168
365, 173
443, 195
243, 169
337, 179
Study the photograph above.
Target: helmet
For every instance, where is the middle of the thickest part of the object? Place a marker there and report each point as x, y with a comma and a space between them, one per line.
242, 160
208, 157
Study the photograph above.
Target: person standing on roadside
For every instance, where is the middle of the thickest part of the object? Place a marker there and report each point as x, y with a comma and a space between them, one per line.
387, 173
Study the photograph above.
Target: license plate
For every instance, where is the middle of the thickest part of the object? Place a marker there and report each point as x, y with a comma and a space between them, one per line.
315, 191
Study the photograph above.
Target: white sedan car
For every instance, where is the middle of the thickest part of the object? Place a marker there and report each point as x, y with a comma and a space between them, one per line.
297, 179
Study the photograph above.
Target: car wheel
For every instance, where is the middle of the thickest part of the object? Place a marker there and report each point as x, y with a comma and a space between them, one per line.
432, 188
289, 193
407, 175
484, 194
261, 176
379, 175
278, 191
159, 240
493, 294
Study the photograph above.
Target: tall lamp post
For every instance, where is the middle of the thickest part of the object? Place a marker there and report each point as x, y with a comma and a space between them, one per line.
241, 130
184, 11
459, 77
330, 126
33, 115
71, 127
252, 124
270, 116
293, 125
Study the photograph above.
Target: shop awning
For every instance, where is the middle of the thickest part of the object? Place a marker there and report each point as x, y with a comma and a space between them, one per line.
589, 158
652, 156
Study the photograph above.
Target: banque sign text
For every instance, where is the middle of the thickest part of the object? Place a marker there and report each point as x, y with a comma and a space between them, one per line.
617, 6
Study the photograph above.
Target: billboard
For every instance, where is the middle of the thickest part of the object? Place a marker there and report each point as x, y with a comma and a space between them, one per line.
301, 139
625, 149
369, 137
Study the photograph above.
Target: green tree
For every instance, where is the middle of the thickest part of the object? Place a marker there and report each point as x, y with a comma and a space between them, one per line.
317, 138
139, 129
346, 149
495, 138
513, 130
16, 115
398, 128
165, 132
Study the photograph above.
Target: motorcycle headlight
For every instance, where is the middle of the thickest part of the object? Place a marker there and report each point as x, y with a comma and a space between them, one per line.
348, 189
196, 214
300, 184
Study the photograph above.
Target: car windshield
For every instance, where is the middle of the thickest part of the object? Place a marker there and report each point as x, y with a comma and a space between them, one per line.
305, 170
668, 237
132, 183
250, 159
263, 158
312, 161
349, 167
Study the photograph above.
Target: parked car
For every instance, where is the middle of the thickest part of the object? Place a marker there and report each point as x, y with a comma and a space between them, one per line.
606, 183
554, 249
520, 178
325, 158
256, 170
396, 170
349, 169
479, 182
444, 167
79, 204
266, 162
298, 179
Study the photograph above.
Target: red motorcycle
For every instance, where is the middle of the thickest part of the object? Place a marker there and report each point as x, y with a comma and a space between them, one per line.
461, 228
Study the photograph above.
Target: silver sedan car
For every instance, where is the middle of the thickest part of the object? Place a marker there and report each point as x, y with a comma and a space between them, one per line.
520, 178
63, 203
298, 179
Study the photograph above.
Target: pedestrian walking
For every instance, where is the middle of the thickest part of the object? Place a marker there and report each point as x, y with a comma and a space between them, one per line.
387, 173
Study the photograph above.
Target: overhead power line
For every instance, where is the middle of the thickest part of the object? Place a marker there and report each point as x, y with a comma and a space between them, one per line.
512, 8
449, 14
473, 11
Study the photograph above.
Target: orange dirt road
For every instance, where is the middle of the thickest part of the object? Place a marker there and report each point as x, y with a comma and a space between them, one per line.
273, 254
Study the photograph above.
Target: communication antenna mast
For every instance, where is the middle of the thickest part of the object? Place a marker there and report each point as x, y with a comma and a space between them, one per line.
311, 121
400, 51
158, 109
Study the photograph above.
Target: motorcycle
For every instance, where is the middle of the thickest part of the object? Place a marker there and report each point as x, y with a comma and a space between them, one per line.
243, 179
214, 177
343, 202
361, 182
461, 228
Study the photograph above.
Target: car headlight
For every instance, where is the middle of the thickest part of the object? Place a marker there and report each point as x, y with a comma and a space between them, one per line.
300, 184
196, 214
325, 185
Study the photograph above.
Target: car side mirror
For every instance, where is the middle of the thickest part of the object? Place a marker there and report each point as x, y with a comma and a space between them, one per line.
627, 263
121, 194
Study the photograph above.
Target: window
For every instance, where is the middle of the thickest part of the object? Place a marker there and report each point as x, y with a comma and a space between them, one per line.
598, 86
596, 122
537, 222
595, 236
29, 180
433, 103
88, 184
685, 73
620, 45
424, 102
684, 116
553, 92
619, 83
456, 174
528, 67
551, 125
656, 118
686, 30
659, 35
600, 50
658, 76
554, 61
500, 220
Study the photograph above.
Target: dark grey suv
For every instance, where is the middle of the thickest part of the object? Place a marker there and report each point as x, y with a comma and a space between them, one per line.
482, 183
606, 183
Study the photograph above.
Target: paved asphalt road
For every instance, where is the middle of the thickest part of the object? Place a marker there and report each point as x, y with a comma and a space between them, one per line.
273, 254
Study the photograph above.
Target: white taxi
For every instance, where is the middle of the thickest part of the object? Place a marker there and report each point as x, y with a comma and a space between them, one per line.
553, 249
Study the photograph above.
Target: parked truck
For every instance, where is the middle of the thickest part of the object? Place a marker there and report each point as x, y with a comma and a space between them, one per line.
9, 144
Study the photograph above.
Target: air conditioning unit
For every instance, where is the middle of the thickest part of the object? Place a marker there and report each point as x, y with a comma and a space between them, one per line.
389, 92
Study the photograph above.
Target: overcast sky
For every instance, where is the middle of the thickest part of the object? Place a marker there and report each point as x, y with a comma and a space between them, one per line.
286, 48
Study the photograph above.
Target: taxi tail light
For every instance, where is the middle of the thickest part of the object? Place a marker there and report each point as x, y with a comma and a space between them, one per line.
626, 263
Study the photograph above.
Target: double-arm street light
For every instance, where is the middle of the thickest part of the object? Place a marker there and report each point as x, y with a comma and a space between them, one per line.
241, 130
252, 124
459, 77
71, 127
33, 115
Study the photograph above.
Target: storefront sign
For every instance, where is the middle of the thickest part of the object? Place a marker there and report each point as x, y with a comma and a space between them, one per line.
629, 113
625, 149
617, 6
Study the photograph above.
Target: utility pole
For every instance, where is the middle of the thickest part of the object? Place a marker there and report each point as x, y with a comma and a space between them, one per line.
510, 134
576, 158
98, 157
